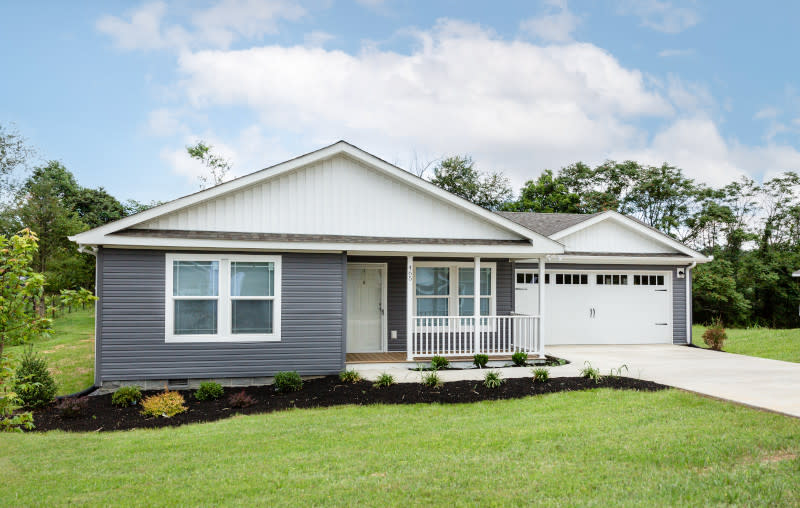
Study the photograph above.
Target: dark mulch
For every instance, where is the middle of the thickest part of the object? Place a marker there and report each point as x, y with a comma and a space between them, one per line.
101, 415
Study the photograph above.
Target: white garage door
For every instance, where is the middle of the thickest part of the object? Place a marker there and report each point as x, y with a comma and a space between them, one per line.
600, 307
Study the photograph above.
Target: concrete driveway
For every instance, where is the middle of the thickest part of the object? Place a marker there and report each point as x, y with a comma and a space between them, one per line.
768, 384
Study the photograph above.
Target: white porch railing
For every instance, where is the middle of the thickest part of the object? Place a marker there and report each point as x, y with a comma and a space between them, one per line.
458, 335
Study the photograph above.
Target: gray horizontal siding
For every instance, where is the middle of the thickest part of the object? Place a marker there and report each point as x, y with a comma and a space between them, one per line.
131, 323
679, 289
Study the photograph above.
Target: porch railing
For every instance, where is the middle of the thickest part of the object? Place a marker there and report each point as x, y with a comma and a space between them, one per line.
459, 335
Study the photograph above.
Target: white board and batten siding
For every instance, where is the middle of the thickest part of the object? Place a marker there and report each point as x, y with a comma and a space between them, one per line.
336, 196
611, 236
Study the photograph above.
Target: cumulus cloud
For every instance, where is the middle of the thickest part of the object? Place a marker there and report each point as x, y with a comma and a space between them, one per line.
555, 25
659, 15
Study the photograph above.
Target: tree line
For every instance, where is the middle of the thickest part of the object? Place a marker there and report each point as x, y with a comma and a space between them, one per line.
752, 230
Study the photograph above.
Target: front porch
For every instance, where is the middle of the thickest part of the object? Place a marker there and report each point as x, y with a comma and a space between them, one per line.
401, 357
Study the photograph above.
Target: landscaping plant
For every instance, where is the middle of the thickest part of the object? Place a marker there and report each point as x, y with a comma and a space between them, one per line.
589, 372
166, 404
209, 390
540, 374
520, 358
431, 379
72, 407
439, 362
493, 379
241, 399
34, 386
715, 335
288, 381
350, 376
384, 380
480, 360
616, 373
126, 396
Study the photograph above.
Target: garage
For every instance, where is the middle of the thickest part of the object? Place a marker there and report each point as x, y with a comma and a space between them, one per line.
600, 306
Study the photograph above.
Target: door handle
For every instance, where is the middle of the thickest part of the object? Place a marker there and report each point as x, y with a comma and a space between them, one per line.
662, 324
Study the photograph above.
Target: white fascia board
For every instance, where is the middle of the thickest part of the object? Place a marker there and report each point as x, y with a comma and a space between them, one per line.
93, 236
239, 245
620, 260
796, 274
639, 228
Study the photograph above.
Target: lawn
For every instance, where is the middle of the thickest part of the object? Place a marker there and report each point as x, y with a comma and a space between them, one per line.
599, 447
763, 342
69, 351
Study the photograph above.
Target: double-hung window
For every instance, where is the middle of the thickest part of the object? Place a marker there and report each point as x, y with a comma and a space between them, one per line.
222, 298
447, 289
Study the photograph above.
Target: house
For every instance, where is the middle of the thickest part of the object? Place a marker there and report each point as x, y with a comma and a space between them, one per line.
337, 253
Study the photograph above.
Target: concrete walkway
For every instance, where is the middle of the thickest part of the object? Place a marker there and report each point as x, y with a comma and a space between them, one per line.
757, 382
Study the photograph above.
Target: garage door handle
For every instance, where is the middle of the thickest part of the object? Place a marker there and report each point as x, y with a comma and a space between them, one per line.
662, 324
522, 289
661, 290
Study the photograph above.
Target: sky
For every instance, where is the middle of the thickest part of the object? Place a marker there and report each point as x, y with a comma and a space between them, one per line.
117, 89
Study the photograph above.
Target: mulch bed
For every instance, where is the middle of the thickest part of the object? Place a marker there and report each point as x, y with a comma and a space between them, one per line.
102, 416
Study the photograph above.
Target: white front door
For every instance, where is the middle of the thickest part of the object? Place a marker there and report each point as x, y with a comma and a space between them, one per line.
365, 308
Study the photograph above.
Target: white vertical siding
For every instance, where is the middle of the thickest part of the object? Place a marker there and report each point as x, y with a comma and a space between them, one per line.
338, 196
610, 236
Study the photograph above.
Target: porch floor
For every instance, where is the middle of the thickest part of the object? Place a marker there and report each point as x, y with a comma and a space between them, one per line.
400, 357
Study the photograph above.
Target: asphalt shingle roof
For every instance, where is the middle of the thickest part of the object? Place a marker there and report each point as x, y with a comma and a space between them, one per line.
546, 223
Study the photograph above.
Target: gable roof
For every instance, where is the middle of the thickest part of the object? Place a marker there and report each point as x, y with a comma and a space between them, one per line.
546, 223
108, 234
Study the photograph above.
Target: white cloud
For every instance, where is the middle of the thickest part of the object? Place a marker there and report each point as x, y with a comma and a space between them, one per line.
217, 26
555, 25
667, 53
165, 122
317, 38
766, 113
660, 15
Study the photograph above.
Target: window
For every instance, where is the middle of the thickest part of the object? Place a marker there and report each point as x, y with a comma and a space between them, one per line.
648, 280
447, 289
606, 279
217, 298
531, 278
571, 278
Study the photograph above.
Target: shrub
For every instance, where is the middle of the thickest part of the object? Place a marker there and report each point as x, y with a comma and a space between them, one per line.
431, 379
72, 407
350, 376
615, 373
439, 362
166, 404
384, 380
35, 386
492, 379
480, 360
241, 399
541, 375
589, 372
715, 335
126, 396
288, 382
209, 390
519, 358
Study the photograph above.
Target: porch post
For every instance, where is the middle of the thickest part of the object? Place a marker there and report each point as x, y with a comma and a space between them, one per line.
409, 308
476, 305
542, 279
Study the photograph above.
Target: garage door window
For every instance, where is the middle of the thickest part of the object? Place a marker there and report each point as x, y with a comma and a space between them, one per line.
609, 279
572, 278
648, 280
531, 278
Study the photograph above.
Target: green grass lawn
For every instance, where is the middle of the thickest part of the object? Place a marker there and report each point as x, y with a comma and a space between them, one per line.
601, 447
763, 342
69, 351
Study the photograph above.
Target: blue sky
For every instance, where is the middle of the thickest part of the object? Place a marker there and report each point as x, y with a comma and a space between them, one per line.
116, 90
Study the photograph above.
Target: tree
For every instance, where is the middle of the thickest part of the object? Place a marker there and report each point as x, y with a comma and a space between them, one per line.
14, 154
95, 207
218, 168
458, 175
549, 194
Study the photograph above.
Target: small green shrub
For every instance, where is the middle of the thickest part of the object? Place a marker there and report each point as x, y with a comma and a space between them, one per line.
431, 379
18, 422
72, 407
480, 360
384, 380
209, 390
126, 396
439, 362
520, 358
241, 399
493, 379
288, 381
34, 386
541, 375
616, 373
589, 372
350, 376
166, 404
715, 335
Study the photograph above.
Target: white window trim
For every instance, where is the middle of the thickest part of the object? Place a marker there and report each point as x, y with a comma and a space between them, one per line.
452, 302
223, 299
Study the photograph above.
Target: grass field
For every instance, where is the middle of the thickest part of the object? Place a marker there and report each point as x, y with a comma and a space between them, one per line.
763, 342
69, 351
600, 447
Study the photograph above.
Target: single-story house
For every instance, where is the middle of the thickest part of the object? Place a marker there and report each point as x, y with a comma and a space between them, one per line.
338, 253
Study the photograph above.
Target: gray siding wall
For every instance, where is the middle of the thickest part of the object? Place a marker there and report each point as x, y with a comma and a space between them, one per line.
680, 289
131, 323
396, 296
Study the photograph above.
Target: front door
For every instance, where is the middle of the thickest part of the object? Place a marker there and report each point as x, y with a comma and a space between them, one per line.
365, 308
